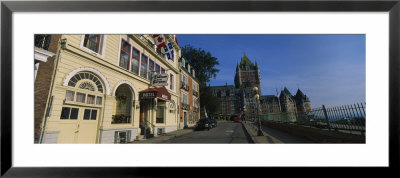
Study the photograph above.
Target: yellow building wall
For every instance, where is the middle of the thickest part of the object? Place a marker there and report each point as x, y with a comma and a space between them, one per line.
74, 57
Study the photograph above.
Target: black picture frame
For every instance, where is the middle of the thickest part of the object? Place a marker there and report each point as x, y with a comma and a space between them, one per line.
8, 7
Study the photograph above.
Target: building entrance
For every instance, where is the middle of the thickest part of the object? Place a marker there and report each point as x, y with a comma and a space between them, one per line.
78, 124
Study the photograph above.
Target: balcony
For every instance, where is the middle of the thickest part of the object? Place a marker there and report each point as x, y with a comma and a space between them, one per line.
150, 44
120, 119
185, 86
160, 53
185, 106
42, 41
195, 93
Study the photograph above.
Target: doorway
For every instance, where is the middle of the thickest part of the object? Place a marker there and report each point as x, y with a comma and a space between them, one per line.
78, 125
185, 124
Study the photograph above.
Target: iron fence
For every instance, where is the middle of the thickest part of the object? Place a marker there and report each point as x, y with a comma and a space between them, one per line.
345, 118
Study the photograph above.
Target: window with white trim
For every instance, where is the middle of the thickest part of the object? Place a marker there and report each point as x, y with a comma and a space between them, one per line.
151, 69
93, 42
90, 114
157, 69
135, 61
184, 80
185, 98
125, 55
86, 89
122, 136
143, 66
160, 114
69, 113
194, 86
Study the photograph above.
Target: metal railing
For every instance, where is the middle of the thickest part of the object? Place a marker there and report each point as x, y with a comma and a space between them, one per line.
151, 45
345, 118
120, 119
185, 106
185, 86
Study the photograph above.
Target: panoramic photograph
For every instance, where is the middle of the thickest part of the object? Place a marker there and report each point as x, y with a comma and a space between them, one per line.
199, 88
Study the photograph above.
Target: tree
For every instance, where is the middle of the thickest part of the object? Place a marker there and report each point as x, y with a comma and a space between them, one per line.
204, 64
210, 102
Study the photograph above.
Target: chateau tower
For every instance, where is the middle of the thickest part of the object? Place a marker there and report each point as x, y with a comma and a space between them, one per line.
247, 74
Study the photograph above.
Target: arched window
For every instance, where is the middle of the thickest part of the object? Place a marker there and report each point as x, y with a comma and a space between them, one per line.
123, 105
87, 81
87, 89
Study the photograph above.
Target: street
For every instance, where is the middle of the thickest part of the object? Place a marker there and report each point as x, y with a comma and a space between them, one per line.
225, 132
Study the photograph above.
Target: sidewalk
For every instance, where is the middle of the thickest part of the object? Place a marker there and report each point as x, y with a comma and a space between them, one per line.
167, 136
252, 129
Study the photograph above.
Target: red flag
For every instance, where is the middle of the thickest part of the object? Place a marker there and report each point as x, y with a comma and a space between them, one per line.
160, 40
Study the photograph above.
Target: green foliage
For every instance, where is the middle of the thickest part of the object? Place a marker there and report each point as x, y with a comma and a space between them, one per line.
204, 64
209, 101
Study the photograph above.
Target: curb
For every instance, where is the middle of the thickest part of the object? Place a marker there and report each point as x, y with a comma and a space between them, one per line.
162, 138
247, 133
253, 135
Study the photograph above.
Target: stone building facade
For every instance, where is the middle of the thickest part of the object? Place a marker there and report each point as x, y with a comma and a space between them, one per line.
238, 101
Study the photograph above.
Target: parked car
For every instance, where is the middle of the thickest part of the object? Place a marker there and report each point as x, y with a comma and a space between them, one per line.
213, 123
238, 120
203, 124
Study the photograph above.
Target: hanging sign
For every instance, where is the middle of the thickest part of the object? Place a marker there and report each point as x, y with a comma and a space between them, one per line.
160, 79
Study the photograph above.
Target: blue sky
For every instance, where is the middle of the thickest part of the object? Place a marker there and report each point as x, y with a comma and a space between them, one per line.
329, 69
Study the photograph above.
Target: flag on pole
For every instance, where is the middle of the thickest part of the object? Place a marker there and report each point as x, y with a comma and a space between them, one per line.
169, 51
160, 40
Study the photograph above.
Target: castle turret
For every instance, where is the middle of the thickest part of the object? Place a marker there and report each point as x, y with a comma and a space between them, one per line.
302, 102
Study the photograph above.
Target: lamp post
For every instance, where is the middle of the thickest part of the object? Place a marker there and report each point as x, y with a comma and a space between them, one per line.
257, 98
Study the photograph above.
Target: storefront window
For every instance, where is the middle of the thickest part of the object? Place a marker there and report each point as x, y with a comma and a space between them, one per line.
160, 114
123, 105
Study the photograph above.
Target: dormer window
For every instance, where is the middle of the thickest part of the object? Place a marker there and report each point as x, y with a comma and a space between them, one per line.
193, 73
188, 68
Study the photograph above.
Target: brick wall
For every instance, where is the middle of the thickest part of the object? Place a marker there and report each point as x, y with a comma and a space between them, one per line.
42, 86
